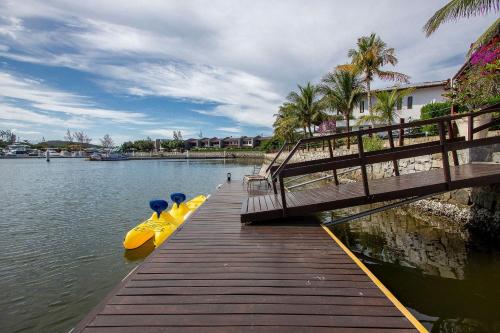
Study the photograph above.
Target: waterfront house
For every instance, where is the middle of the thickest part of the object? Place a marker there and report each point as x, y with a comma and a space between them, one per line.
409, 109
192, 143
231, 142
216, 142
227, 142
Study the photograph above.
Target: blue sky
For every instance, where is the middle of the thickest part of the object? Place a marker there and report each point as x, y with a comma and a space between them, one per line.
132, 69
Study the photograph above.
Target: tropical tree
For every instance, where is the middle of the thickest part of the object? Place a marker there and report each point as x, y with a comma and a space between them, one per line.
8, 136
286, 123
177, 142
307, 106
69, 136
368, 59
385, 109
342, 90
107, 142
456, 9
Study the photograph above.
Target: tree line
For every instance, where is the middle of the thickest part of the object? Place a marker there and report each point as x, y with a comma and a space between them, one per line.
343, 88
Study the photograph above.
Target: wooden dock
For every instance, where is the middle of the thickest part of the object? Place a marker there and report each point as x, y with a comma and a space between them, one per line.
269, 206
406, 186
216, 275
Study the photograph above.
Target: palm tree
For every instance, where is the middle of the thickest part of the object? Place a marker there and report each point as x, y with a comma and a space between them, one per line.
370, 56
385, 109
456, 9
342, 90
286, 122
308, 108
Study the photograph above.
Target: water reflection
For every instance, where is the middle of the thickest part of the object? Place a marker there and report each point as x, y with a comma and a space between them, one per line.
447, 277
141, 252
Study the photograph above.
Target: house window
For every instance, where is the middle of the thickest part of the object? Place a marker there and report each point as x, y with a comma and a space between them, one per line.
409, 102
399, 104
362, 107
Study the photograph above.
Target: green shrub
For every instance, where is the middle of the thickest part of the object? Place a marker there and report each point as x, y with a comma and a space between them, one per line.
270, 145
434, 110
372, 143
340, 142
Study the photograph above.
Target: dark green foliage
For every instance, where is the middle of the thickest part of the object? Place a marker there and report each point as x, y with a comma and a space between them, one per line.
139, 145
270, 145
372, 143
434, 110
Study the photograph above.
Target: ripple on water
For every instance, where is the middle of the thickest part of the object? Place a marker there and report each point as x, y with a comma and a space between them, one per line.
63, 224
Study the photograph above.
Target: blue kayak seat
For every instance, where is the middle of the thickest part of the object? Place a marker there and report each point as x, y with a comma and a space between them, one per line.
158, 206
178, 198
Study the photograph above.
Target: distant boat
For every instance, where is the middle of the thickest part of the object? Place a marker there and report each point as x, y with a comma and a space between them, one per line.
53, 152
17, 150
108, 157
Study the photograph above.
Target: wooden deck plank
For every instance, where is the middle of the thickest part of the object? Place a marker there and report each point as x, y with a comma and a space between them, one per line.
299, 309
217, 275
243, 329
169, 320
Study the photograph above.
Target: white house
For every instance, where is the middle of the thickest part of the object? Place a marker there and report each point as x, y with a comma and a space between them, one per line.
424, 93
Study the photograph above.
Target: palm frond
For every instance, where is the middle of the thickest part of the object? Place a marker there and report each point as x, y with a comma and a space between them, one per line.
369, 119
456, 9
393, 76
347, 67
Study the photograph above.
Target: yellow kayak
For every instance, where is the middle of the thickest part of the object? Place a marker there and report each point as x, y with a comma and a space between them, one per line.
162, 223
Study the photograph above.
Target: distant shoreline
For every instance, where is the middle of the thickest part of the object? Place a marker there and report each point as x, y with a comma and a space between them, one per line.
139, 158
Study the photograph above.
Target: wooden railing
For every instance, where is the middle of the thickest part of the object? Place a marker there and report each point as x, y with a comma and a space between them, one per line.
448, 142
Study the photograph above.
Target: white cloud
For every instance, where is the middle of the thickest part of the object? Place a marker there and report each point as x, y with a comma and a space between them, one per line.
17, 131
239, 95
9, 112
44, 98
168, 132
243, 56
229, 129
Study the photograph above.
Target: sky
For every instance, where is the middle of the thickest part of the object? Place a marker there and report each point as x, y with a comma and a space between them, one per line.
137, 69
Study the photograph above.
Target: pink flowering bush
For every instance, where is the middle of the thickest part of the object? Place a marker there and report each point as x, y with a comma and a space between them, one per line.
480, 84
328, 126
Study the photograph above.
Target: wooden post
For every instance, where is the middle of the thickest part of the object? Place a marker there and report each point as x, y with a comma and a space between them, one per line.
470, 128
401, 132
444, 153
330, 149
391, 144
363, 164
335, 177
282, 190
451, 136
275, 190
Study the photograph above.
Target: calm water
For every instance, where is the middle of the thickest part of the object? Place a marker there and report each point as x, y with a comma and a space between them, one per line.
63, 223
446, 277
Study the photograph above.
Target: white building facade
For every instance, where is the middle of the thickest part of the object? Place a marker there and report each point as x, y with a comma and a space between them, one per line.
424, 93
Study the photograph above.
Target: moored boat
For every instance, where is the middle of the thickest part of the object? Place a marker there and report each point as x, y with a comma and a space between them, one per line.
17, 150
108, 157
